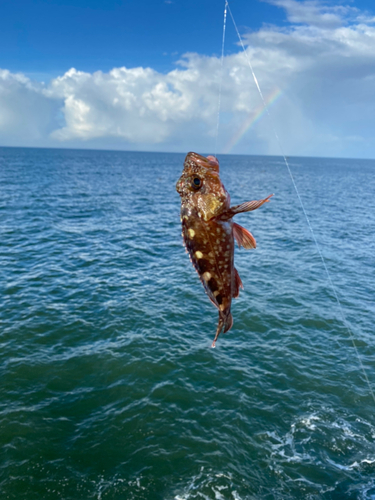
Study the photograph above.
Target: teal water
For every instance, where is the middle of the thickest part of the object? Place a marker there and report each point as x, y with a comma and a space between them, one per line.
109, 388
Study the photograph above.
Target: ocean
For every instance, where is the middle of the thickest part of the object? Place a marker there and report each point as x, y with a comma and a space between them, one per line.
109, 387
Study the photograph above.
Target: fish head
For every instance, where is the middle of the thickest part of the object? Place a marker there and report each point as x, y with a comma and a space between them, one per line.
200, 186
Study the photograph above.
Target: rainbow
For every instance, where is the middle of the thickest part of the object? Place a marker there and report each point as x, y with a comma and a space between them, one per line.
251, 120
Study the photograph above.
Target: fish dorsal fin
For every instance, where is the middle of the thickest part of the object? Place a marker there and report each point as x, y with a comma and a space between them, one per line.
237, 284
243, 237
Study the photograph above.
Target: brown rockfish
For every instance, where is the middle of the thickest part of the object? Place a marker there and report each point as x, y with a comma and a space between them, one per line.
208, 231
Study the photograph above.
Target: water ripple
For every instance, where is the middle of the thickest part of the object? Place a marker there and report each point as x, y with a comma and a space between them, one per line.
109, 387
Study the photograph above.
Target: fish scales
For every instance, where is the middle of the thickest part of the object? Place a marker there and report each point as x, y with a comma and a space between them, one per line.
209, 232
211, 249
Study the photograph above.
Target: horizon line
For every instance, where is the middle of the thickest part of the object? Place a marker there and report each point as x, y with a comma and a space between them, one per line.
182, 152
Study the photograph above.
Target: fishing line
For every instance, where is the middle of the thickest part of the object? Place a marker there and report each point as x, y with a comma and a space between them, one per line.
333, 288
221, 75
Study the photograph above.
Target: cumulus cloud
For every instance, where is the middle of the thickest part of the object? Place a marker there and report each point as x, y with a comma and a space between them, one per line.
317, 73
26, 115
138, 104
314, 13
328, 73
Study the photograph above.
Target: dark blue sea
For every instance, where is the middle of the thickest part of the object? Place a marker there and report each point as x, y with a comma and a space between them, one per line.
109, 388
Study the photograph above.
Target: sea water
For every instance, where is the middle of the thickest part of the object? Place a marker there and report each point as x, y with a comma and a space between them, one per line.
109, 387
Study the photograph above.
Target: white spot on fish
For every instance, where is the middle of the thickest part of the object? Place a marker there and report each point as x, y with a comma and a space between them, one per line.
206, 276
191, 233
198, 254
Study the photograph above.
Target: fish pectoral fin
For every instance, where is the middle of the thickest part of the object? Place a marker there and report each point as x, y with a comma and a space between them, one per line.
243, 237
248, 206
237, 284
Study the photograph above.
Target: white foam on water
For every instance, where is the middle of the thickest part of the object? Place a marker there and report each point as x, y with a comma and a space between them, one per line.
336, 438
367, 461
209, 486
308, 422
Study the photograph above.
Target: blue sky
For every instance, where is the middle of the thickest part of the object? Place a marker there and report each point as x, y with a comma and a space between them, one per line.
50, 37
146, 75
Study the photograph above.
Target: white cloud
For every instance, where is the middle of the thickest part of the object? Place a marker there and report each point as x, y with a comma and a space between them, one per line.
329, 73
322, 64
315, 13
138, 105
25, 113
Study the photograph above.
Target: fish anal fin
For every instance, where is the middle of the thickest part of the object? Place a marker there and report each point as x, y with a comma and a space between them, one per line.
243, 237
237, 284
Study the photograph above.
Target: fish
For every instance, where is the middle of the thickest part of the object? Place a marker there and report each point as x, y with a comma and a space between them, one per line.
209, 232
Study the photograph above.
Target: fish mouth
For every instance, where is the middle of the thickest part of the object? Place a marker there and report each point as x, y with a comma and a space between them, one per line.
209, 162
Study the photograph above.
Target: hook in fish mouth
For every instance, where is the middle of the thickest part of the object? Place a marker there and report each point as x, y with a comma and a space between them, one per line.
210, 161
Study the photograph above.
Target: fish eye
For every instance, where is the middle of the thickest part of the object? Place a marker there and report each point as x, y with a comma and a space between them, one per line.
197, 183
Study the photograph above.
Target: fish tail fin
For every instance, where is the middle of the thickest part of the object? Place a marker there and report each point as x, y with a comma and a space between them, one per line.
228, 322
225, 322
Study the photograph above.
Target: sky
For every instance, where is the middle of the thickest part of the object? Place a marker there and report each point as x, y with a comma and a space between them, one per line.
147, 76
